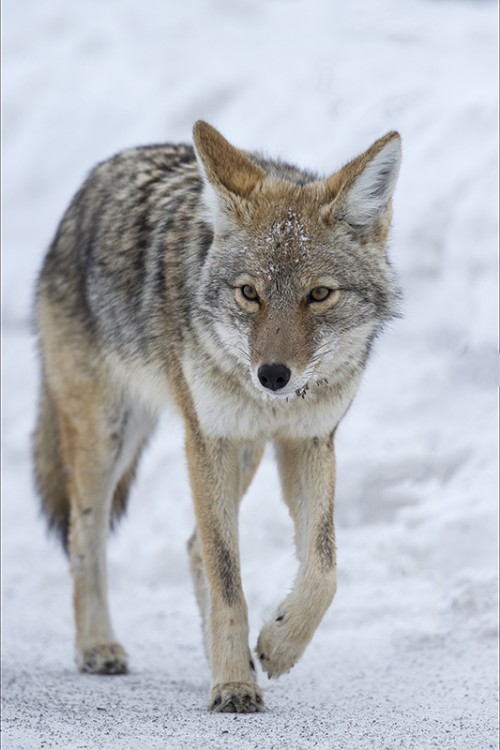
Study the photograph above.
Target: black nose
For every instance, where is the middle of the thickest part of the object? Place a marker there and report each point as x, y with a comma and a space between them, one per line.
274, 376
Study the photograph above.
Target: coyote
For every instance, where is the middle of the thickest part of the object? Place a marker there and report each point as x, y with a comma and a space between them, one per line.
249, 293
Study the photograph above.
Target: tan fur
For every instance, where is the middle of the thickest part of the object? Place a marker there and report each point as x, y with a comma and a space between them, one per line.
224, 164
80, 397
142, 300
307, 470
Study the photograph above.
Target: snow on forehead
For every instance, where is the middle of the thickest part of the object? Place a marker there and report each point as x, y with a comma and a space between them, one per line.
285, 241
287, 236
288, 232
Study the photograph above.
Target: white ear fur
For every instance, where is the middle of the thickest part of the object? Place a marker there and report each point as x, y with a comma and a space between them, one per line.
216, 204
209, 192
373, 188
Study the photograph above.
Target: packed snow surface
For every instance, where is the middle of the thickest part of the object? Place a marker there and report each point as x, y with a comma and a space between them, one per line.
407, 655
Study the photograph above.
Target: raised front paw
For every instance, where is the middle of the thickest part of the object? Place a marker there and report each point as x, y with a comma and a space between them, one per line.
236, 698
103, 658
278, 647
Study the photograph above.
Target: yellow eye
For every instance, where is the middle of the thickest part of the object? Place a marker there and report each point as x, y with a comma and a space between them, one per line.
249, 293
319, 294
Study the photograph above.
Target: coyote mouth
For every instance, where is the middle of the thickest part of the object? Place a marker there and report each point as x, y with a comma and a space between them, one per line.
284, 395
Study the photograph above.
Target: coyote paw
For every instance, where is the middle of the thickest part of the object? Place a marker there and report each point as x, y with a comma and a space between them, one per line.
236, 698
103, 658
277, 649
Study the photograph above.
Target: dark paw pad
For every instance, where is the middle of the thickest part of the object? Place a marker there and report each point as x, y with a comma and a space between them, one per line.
237, 698
106, 659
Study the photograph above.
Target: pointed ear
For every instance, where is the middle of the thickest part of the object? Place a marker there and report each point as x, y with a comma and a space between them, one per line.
223, 166
364, 187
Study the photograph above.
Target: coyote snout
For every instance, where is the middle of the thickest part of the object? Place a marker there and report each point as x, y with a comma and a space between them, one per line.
250, 292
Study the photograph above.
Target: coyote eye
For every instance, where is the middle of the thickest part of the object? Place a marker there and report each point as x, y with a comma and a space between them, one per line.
319, 294
249, 293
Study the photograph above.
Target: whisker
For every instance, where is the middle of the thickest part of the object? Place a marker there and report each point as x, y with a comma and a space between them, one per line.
321, 355
326, 343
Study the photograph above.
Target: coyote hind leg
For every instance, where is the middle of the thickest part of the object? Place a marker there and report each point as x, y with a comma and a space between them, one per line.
100, 442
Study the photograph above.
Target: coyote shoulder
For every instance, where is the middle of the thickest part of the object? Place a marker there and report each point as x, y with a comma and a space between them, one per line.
248, 292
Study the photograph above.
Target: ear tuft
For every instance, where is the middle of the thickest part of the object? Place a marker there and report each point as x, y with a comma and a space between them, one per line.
224, 166
365, 186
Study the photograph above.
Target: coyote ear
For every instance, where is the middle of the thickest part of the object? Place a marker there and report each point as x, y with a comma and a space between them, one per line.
223, 166
364, 187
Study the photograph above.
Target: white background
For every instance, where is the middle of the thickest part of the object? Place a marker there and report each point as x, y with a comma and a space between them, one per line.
406, 657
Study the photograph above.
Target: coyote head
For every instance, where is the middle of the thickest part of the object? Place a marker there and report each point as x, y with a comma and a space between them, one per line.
296, 283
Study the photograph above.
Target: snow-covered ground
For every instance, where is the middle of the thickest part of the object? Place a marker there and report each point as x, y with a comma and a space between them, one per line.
407, 655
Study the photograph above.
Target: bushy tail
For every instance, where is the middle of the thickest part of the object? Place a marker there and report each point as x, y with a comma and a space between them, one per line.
51, 474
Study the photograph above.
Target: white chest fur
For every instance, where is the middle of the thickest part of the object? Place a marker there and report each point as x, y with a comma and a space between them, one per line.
228, 411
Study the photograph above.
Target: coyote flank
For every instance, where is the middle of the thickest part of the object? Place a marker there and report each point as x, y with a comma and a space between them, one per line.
249, 293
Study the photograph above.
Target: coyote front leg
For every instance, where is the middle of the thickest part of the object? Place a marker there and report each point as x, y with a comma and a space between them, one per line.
307, 469
250, 457
215, 474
